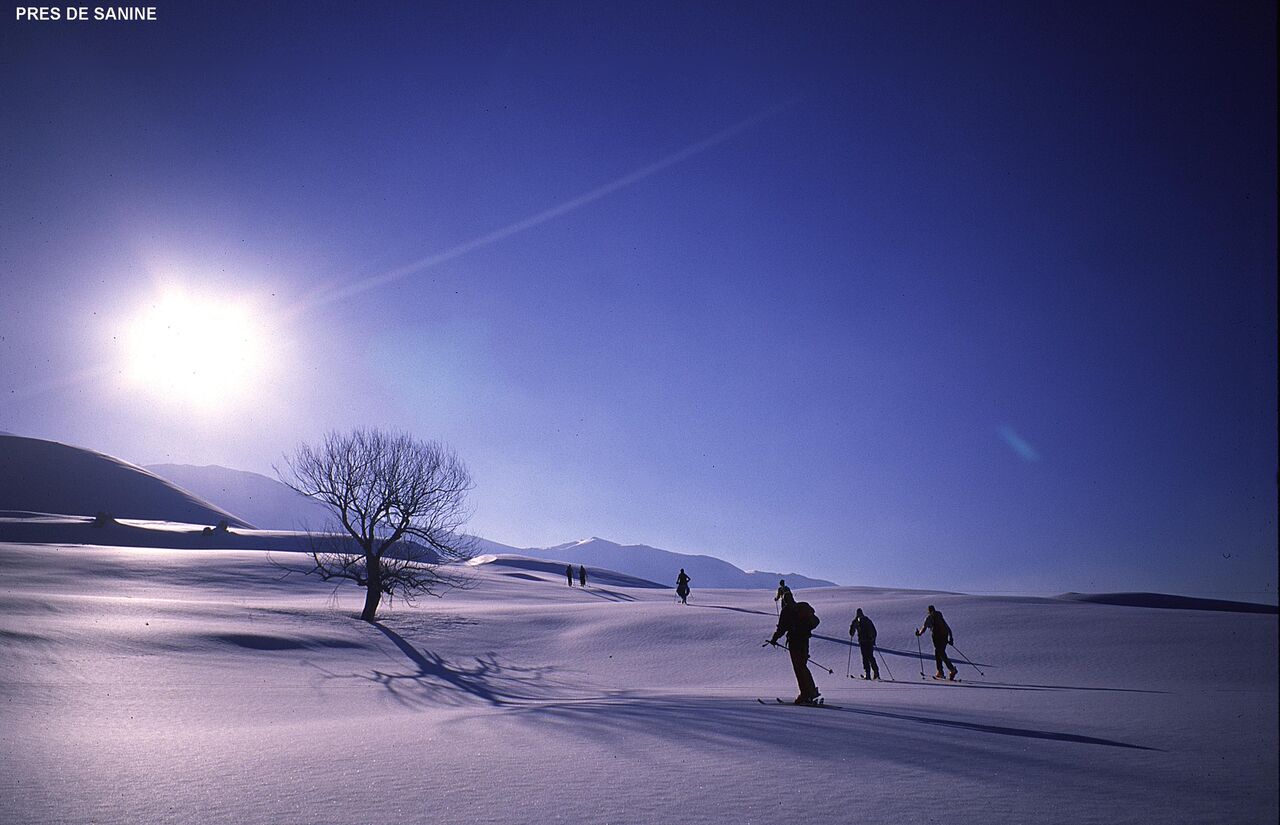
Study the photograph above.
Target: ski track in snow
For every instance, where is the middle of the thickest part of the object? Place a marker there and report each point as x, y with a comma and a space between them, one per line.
167, 686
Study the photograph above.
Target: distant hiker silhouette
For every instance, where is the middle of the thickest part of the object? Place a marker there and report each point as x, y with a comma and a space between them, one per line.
582, 575
797, 620
682, 586
568, 574
783, 593
865, 631
941, 638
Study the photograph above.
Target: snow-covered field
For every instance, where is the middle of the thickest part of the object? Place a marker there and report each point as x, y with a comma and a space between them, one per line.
148, 686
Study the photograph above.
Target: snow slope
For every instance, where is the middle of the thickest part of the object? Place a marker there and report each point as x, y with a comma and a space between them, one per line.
263, 501
48, 477
168, 686
506, 563
38, 528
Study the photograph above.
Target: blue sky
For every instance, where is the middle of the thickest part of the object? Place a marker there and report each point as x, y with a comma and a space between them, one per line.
978, 299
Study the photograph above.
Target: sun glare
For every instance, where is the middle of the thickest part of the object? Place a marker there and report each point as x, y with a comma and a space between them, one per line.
205, 353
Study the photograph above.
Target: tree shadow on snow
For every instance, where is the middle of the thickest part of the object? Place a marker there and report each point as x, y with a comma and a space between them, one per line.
437, 681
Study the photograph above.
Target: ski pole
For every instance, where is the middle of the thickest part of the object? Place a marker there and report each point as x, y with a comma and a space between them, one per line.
827, 669
966, 658
818, 665
920, 652
848, 670
886, 665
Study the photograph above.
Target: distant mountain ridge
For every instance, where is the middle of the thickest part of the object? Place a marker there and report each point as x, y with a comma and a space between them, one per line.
662, 565
252, 499
271, 505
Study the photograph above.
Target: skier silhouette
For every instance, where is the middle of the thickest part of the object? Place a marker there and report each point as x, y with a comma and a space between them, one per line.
798, 620
682, 586
568, 574
783, 593
862, 627
582, 575
941, 638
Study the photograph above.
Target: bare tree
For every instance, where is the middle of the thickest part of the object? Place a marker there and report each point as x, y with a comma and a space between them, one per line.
401, 503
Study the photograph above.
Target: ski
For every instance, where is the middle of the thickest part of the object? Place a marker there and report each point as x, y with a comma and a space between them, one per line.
944, 679
818, 704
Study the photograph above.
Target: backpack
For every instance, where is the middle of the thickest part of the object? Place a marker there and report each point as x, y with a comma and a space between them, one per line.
805, 617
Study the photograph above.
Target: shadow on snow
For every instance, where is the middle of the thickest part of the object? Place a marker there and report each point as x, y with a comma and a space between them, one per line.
607, 595
438, 681
628, 721
734, 609
533, 693
982, 727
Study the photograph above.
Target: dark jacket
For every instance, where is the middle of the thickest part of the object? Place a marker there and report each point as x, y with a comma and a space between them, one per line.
941, 631
863, 628
798, 621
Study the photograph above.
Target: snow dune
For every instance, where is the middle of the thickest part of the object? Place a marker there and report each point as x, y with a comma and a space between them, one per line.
145, 685
264, 502
48, 477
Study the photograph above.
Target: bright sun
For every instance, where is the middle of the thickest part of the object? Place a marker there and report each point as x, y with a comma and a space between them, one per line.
205, 353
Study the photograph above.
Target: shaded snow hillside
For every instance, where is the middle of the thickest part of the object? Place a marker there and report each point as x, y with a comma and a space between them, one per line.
663, 565
40, 476
264, 501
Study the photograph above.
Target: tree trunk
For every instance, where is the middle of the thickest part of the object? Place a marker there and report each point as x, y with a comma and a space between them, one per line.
373, 589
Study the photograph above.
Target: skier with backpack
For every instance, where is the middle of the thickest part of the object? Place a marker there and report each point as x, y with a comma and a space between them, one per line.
682, 586
942, 637
865, 631
798, 620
